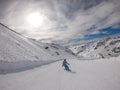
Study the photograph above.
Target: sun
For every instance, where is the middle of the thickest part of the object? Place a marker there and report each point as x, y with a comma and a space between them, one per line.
35, 19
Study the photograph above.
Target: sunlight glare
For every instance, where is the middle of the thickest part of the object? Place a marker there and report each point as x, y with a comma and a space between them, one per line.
35, 19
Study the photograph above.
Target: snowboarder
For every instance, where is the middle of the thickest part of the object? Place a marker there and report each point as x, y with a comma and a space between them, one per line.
65, 64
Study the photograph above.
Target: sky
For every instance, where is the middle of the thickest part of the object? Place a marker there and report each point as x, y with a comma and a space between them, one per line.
62, 21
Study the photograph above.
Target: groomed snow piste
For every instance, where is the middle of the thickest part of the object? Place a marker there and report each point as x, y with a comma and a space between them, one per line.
101, 74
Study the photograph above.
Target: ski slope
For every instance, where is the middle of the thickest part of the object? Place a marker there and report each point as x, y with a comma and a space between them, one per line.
101, 74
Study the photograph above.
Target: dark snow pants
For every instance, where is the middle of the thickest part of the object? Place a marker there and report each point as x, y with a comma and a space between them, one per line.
66, 68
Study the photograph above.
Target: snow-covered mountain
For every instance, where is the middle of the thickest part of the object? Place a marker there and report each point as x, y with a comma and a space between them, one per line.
17, 51
53, 49
104, 48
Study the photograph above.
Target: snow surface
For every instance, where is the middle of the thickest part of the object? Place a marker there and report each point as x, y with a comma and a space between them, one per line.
101, 74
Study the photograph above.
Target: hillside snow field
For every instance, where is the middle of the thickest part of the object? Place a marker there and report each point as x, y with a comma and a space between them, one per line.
99, 74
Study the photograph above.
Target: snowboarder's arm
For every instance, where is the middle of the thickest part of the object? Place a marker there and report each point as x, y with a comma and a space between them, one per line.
68, 63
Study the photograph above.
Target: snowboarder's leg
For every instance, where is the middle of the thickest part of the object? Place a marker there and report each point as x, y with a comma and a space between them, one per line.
67, 68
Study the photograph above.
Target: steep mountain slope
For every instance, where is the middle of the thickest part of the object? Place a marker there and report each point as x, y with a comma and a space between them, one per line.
105, 48
15, 47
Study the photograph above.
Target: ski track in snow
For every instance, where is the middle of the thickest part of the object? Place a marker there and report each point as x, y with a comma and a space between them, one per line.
90, 75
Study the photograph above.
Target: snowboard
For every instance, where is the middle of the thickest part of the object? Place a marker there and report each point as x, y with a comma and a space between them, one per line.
70, 71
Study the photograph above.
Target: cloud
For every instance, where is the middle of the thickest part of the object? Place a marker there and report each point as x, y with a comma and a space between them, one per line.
64, 20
